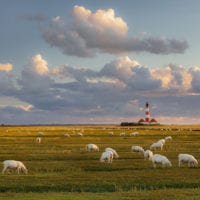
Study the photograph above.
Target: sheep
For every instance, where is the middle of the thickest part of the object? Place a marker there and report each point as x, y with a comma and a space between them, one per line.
157, 158
148, 154
162, 141
40, 133
38, 140
92, 147
187, 158
157, 145
122, 134
107, 156
13, 164
168, 138
134, 134
79, 134
115, 154
111, 133
66, 135
137, 149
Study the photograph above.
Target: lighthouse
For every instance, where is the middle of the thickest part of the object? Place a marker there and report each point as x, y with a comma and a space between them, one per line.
147, 119
147, 113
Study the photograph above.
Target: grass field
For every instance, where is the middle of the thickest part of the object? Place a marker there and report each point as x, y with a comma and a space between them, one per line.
60, 167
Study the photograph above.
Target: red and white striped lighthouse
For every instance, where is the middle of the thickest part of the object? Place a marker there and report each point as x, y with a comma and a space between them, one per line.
147, 120
147, 113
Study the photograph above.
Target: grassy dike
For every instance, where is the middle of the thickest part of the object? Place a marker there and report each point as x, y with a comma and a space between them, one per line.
60, 167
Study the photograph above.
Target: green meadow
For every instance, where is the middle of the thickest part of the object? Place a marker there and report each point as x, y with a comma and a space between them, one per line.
60, 167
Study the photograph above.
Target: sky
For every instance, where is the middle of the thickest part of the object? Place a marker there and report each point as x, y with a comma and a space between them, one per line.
91, 61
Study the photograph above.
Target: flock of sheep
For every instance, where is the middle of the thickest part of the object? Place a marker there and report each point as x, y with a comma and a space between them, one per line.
109, 154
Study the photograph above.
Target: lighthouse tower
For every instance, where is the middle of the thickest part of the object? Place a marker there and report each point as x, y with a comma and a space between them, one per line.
147, 113
147, 120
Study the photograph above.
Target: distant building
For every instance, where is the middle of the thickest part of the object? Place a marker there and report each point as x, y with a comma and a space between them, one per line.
147, 119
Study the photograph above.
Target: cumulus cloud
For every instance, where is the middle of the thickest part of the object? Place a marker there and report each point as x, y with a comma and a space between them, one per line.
195, 72
121, 68
35, 83
39, 65
117, 91
70, 72
174, 77
102, 31
6, 67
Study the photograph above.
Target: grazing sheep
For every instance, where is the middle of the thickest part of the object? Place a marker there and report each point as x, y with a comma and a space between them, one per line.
38, 140
134, 134
168, 138
92, 147
160, 159
40, 133
122, 134
162, 141
187, 158
115, 155
157, 145
148, 154
107, 156
13, 164
111, 133
66, 135
137, 149
79, 134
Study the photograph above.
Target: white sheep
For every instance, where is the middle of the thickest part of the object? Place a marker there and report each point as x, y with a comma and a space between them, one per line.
160, 159
79, 134
157, 145
38, 140
115, 154
122, 134
137, 149
107, 156
66, 135
148, 154
111, 133
162, 141
187, 158
92, 147
13, 164
168, 138
134, 134
40, 133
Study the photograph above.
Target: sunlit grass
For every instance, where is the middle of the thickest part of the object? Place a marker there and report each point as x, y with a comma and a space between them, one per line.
61, 164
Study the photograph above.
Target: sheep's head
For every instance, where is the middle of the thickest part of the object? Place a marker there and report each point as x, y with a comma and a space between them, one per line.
169, 164
195, 163
24, 170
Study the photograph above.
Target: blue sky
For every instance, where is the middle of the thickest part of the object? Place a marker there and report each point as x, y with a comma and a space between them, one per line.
99, 61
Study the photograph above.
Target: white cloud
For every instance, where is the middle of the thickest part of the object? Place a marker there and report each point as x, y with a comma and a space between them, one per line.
195, 72
39, 65
25, 107
120, 88
35, 83
101, 22
6, 67
121, 68
174, 77
102, 31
